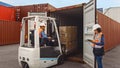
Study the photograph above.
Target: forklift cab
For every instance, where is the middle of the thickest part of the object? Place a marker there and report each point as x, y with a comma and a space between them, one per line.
31, 53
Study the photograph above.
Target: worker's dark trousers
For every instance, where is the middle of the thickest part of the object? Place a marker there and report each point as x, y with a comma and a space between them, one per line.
99, 61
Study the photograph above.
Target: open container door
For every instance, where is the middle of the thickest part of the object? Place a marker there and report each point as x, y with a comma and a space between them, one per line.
89, 21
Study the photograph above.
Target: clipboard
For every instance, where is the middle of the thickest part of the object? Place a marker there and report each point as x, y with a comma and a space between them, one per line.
90, 40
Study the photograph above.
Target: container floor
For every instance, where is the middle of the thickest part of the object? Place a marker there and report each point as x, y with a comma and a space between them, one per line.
76, 58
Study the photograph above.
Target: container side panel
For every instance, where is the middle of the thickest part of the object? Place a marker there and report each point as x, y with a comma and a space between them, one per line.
7, 13
111, 31
9, 32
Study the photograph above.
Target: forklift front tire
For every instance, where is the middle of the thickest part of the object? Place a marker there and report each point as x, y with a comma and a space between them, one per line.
61, 60
24, 65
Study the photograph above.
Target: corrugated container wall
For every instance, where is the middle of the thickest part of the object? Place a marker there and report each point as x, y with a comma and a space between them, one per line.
7, 13
22, 11
9, 32
111, 30
113, 13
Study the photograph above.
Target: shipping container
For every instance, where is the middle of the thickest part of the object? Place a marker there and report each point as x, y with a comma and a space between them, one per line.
114, 13
22, 11
74, 16
9, 32
111, 31
7, 13
67, 17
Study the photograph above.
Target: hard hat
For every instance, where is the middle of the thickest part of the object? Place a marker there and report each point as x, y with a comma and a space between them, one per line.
42, 24
96, 26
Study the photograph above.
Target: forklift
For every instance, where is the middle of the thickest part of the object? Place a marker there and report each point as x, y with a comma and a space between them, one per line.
30, 53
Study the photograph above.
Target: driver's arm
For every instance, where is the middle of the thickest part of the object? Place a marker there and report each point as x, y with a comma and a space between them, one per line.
44, 35
40, 33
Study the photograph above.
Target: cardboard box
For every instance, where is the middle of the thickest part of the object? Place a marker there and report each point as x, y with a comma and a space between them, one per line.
68, 36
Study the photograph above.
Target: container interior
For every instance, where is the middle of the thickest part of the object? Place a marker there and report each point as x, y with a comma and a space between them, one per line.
72, 17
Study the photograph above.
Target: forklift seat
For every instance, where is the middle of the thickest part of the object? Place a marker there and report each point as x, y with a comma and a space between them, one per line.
32, 37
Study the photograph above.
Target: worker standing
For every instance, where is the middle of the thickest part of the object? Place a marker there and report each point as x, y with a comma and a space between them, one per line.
98, 44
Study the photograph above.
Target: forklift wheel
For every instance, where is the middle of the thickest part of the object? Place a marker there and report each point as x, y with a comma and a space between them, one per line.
24, 65
61, 60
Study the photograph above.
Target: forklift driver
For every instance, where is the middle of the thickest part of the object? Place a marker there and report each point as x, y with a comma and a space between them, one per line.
44, 39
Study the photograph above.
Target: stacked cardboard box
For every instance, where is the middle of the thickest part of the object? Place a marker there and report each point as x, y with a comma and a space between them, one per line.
68, 36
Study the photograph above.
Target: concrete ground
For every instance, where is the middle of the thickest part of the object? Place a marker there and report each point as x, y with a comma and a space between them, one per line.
8, 59
112, 58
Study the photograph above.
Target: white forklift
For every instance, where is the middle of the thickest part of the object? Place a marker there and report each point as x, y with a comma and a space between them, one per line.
31, 54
